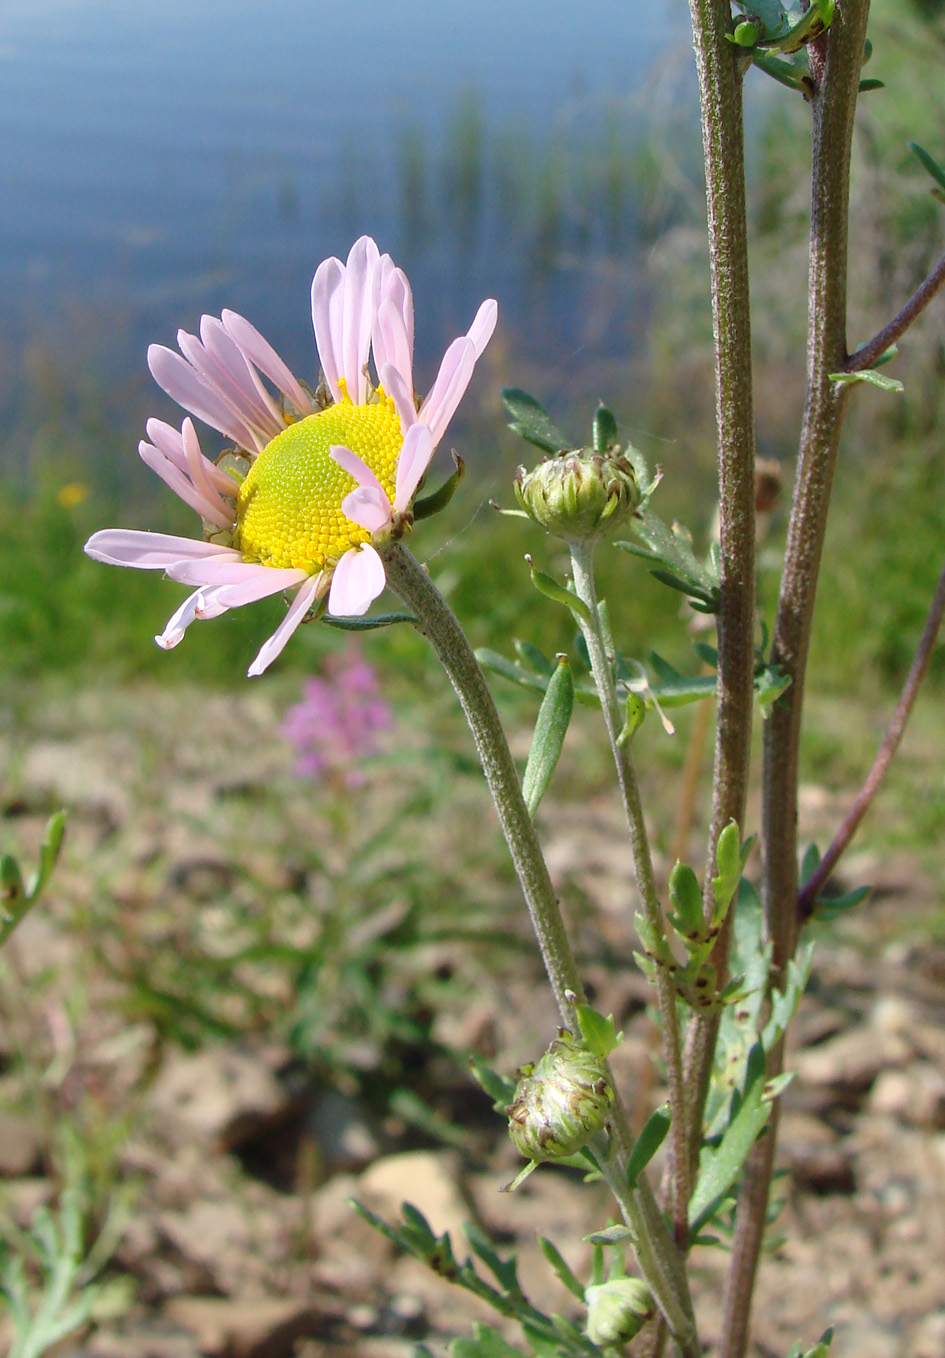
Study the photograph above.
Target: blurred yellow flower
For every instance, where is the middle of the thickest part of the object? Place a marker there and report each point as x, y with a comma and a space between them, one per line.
72, 494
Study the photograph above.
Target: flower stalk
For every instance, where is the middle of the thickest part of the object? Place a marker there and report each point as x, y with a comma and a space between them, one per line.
656, 1254
602, 669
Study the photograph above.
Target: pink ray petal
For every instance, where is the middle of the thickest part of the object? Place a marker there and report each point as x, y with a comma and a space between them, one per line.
391, 342
358, 318
225, 365
228, 572
413, 461
447, 391
175, 375
170, 442
276, 643
151, 551
355, 467
260, 352
400, 394
368, 507
395, 287
358, 579
235, 390
260, 585
183, 487
198, 470
328, 293
178, 623
200, 604
481, 330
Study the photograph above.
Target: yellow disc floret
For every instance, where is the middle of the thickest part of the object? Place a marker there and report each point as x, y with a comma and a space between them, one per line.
289, 506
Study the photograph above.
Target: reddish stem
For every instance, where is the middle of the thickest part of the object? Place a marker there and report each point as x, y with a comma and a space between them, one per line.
866, 356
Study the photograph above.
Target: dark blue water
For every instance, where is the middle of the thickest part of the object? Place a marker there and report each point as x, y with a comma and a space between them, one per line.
158, 160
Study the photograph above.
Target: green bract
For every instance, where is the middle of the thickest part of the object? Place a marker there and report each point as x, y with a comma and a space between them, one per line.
561, 1102
617, 1310
579, 494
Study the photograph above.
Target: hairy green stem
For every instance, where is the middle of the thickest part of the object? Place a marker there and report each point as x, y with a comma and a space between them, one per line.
835, 66
656, 1254
602, 668
720, 85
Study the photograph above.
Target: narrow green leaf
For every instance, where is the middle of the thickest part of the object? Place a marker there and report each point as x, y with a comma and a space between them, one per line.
674, 689
439, 499
554, 717
562, 1271
505, 1271
709, 600
685, 895
729, 859
809, 863
604, 429
611, 1235
48, 853
648, 1143
547, 585
14, 900
492, 660
367, 624
871, 376
928, 163
499, 1089
870, 83
599, 1033
829, 907
635, 714
533, 658
784, 72
532, 422
720, 1166
708, 654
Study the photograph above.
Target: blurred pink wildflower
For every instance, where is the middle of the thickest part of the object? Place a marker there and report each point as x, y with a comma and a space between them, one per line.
337, 723
314, 481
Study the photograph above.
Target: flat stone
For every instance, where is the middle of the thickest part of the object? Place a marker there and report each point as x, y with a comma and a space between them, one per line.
246, 1329
221, 1095
915, 1095
848, 1064
928, 1337
20, 1147
430, 1180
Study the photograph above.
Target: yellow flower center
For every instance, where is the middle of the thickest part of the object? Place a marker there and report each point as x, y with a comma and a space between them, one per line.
289, 506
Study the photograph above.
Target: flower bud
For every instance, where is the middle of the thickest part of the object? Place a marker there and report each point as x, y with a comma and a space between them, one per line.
617, 1310
561, 1102
579, 494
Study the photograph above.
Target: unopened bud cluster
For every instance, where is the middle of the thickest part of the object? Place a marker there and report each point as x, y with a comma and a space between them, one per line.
617, 1310
561, 1102
579, 494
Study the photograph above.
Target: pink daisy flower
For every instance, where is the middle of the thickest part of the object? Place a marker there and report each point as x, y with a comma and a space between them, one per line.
314, 484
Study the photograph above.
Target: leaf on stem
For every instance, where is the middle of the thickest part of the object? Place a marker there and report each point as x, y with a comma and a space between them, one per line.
554, 717
870, 375
548, 585
531, 422
367, 624
720, 1166
648, 1143
439, 499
